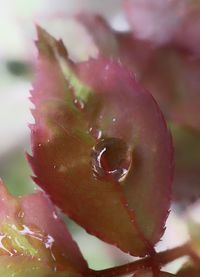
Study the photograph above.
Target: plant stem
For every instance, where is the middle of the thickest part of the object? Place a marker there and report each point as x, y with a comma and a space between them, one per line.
160, 259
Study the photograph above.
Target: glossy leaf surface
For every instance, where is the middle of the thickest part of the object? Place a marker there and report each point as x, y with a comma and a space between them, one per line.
79, 108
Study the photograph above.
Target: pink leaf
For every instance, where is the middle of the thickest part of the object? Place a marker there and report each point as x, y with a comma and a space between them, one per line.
82, 110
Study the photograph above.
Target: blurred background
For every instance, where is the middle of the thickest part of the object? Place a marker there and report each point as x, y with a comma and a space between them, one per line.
155, 36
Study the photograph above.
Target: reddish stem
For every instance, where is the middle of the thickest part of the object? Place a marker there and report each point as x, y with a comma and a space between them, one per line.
160, 259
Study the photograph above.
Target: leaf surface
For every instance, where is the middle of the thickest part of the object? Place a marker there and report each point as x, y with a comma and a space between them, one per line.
33, 234
78, 109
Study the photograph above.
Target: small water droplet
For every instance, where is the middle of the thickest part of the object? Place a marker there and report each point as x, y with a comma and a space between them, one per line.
111, 157
95, 132
79, 104
54, 215
20, 214
39, 145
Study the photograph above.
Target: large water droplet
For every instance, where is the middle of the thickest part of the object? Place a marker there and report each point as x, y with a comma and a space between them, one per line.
111, 159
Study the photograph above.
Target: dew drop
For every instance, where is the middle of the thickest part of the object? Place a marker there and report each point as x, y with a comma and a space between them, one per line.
111, 158
96, 133
20, 214
79, 104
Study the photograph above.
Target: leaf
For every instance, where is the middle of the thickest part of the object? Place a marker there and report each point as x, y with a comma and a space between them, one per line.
148, 273
187, 173
174, 80
187, 37
166, 71
134, 53
80, 108
95, 35
32, 233
185, 112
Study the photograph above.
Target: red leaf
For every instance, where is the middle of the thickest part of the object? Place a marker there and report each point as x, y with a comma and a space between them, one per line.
79, 116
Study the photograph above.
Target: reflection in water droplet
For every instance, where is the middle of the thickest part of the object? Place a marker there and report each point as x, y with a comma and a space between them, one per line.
111, 157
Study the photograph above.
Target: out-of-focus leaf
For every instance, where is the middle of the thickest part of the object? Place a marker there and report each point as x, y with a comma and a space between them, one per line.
189, 270
101, 33
134, 53
187, 35
174, 80
187, 83
187, 172
31, 231
82, 110
154, 20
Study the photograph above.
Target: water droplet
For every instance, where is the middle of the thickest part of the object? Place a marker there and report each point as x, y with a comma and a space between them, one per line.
97, 134
111, 158
79, 104
20, 214
54, 215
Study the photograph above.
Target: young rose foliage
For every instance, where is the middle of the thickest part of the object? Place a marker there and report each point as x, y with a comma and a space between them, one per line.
34, 241
100, 148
